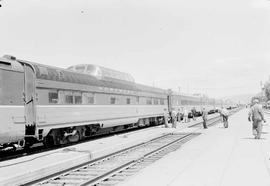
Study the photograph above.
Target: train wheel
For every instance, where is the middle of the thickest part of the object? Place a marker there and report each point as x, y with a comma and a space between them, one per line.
74, 138
48, 141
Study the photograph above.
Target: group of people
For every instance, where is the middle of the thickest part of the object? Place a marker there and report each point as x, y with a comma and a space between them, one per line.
224, 113
255, 115
185, 115
175, 116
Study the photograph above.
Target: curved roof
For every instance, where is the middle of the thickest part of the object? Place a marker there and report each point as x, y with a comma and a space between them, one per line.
80, 77
63, 75
102, 73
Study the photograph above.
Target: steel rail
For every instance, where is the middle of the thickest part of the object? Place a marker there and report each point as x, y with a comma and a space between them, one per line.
132, 162
151, 147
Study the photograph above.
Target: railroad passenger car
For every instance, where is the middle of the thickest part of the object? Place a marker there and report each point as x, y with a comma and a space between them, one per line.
61, 106
58, 106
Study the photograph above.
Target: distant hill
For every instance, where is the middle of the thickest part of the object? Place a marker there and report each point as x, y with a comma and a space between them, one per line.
242, 98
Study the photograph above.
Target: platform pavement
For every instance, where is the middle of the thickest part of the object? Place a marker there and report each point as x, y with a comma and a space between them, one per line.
218, 157
21, 170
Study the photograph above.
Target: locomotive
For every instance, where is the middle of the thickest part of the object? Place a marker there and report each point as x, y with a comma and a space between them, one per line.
40, 103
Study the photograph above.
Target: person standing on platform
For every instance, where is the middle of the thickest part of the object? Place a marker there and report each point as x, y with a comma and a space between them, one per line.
193, 111
185, 115
204, 117
174, 118
166, 120
224, 114
256, 115
178, 116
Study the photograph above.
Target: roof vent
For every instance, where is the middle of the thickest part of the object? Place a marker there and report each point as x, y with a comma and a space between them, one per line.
9, 57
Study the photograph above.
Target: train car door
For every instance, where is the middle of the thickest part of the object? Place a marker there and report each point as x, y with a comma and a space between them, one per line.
29, 101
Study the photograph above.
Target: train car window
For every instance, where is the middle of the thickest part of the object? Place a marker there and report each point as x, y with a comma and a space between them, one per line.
155, 101
149, 101
91, 68
80, 68
161, 101
60, 75
69, 99
128, 101
90, 100
87, 98
78, 99
53, 97
112, 100
43, 71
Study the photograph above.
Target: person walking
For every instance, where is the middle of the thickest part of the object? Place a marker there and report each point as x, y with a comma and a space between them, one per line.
225, 115
256, 116
204, 117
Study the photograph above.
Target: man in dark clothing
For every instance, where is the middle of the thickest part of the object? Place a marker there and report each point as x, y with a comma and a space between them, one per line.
256, 115
193, 111
204, 117
174, 119
225, 115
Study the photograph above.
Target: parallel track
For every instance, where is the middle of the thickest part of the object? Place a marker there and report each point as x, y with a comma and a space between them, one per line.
116, 167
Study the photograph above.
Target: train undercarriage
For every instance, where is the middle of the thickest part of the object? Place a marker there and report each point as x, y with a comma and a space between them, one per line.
62, 136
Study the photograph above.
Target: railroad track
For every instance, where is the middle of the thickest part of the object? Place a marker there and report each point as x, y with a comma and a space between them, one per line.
39, 148
114, 168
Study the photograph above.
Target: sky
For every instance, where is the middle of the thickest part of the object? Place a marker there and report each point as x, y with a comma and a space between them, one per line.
215, 47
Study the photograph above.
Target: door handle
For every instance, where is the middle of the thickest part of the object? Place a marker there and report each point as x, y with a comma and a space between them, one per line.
30, 100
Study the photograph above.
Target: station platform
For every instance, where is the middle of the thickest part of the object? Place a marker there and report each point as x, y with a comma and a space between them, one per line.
217, 157
28, 168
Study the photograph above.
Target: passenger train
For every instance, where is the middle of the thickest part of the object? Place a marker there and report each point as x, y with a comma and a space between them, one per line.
40, 103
